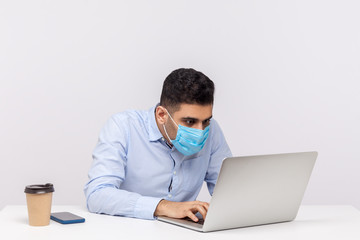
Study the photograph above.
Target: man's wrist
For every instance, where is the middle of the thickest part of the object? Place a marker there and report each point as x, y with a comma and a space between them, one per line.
159, 211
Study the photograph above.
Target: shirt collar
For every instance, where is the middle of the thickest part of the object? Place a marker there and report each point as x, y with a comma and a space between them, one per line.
154, 132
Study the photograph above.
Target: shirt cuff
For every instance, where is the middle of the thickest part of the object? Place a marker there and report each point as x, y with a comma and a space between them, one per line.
145, 207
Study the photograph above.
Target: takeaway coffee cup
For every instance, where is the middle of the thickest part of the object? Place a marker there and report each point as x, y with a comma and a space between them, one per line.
39, 198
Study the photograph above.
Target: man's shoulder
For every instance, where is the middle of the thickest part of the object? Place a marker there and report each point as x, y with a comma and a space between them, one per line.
130, 116
214, 125
215, 132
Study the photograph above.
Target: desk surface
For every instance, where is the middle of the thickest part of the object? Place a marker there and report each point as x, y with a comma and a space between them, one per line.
312, 222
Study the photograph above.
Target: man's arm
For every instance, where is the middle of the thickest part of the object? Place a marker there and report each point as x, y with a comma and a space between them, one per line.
109, 199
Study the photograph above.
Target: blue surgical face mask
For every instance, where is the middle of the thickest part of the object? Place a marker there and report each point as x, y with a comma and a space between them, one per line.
188, 141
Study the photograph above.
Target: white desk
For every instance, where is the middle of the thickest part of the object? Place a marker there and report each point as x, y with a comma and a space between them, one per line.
312, 222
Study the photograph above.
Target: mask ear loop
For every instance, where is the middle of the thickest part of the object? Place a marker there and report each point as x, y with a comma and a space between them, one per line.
171, 118
166, 132
173, 122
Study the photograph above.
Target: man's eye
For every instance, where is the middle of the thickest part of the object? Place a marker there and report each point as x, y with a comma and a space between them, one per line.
206, 122
190, 122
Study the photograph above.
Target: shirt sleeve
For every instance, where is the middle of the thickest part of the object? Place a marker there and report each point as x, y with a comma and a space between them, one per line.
219, 151
103, 193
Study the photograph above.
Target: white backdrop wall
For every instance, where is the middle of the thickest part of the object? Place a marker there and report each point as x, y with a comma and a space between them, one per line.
286, 73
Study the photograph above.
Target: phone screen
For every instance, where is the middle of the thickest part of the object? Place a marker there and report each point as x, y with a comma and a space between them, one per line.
66, 217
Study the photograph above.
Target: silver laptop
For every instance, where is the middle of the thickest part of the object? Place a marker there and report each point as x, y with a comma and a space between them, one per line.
255, 190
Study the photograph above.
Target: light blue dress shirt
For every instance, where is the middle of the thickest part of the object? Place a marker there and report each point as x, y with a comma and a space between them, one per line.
134, 168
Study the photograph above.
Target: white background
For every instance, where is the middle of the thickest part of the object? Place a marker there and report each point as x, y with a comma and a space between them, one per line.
286, 73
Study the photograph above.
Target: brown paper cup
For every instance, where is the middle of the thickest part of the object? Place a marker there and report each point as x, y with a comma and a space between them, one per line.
39, 199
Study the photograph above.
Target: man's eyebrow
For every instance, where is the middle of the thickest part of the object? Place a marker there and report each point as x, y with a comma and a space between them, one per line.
189, 118
195, 119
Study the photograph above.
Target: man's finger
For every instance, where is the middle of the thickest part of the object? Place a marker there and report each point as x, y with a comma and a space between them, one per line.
206, 205
201, 210
191, 215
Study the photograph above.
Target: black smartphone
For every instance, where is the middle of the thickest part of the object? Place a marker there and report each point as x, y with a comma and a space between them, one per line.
66, 218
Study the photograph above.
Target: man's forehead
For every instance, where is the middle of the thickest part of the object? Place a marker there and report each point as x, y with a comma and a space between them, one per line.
194, 111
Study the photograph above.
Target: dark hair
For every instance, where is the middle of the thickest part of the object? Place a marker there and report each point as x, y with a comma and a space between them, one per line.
186, 85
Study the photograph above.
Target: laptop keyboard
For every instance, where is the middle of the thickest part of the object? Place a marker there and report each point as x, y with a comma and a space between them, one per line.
201, 221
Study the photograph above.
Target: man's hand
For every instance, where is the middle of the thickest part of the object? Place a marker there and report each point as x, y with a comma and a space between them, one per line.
181, 209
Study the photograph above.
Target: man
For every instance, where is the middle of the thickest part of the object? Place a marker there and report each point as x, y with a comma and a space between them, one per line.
153, 163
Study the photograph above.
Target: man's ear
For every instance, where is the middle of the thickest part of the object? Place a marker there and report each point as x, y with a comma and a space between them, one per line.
161, 115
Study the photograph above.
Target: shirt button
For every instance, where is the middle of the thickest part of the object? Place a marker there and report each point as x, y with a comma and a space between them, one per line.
163, 139
174, 172
169, 195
